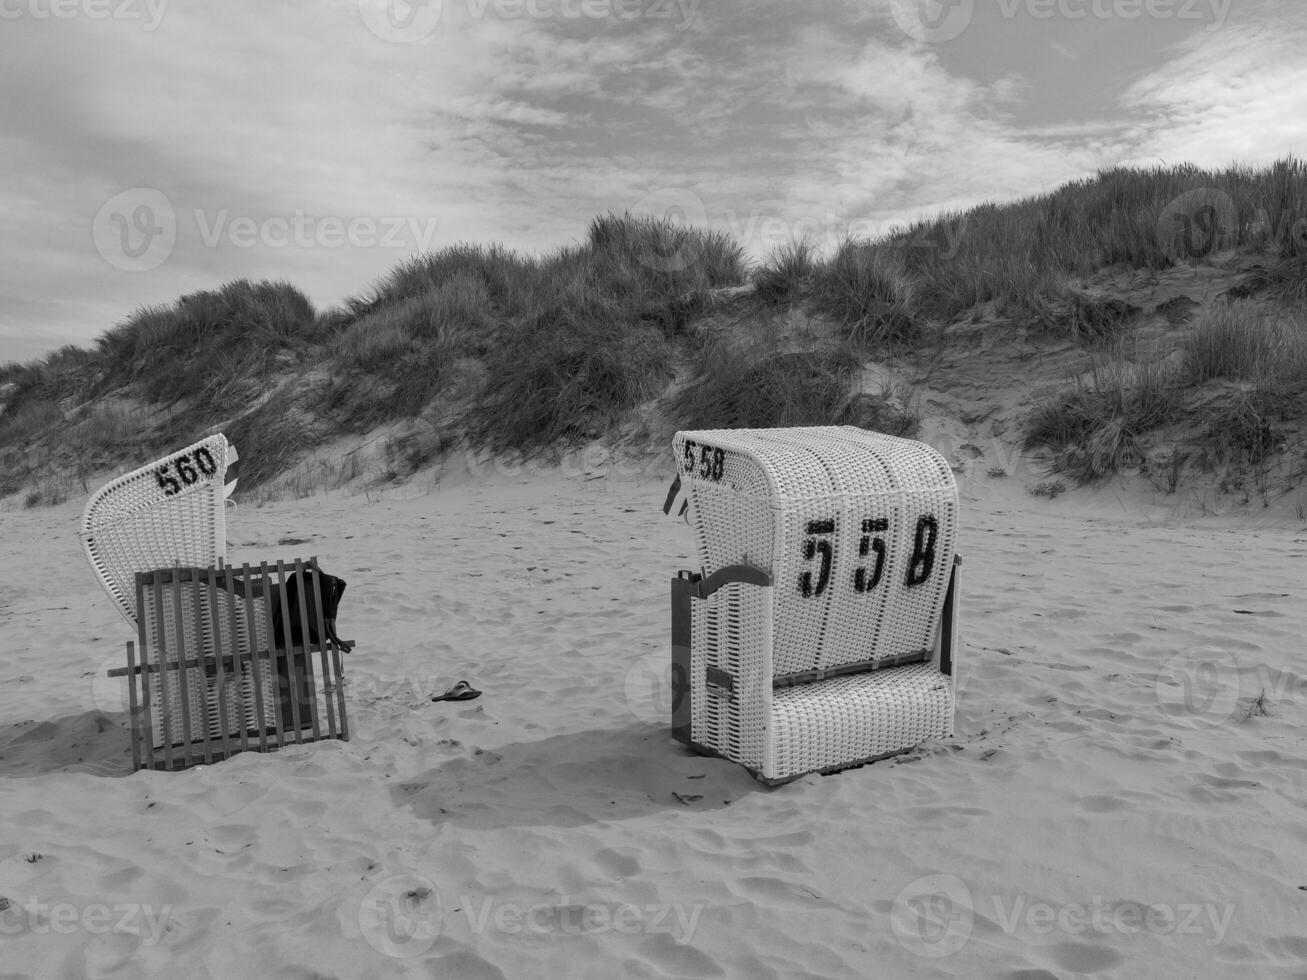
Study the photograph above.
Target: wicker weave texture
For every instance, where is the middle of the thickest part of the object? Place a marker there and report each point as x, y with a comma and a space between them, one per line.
837, 722
188, 620
728, 629
823, 509
168, 513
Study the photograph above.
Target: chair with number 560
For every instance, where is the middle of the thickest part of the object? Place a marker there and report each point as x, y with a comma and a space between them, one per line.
820, 631
223, 660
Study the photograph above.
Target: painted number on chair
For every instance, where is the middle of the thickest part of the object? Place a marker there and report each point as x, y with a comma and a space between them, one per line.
711, 462
188, 467
819, 548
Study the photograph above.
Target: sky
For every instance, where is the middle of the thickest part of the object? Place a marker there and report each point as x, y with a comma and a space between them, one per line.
153, 148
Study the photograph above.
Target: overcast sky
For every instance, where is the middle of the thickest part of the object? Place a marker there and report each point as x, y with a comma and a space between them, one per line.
157, 147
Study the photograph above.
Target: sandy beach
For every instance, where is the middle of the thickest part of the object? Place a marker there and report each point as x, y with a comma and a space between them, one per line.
1115, 802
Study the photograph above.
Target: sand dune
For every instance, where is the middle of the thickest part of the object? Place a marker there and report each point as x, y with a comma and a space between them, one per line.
1114, 803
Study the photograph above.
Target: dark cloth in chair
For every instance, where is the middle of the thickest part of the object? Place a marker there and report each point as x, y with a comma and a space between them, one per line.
300, 596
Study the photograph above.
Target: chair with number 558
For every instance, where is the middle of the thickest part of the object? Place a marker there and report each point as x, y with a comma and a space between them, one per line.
820, 631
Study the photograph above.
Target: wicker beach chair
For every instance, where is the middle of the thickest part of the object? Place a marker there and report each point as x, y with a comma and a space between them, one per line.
218, 665
820, 631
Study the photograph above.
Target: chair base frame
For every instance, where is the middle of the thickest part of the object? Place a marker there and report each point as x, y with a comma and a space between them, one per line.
209, 678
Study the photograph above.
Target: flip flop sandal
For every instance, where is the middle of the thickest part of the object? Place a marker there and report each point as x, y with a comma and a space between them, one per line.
462, 691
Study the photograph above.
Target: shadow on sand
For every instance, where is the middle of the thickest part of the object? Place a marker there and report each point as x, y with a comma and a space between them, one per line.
569, 780
93, 742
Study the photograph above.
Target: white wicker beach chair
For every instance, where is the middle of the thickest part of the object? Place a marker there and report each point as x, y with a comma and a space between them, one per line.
819, 633
210, 675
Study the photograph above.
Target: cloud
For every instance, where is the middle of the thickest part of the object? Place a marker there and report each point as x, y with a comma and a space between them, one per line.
1235, 94
494, 126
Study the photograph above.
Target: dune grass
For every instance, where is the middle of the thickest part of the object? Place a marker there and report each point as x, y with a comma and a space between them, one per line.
787, 275
1238, 374
519, 352
1094, 426
753, 385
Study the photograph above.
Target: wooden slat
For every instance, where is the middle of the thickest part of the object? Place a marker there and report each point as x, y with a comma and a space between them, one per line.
147, 718
131, 707
183, 677
226, 581
229, 661
211, 655
252, 635
306, 637
324, 641
161, 655
266, 576
340, 691
289, 653
200, 730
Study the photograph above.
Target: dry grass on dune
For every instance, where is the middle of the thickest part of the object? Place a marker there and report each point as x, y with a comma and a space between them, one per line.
514, 353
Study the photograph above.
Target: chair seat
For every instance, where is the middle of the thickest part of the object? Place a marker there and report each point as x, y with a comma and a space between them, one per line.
842, 721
